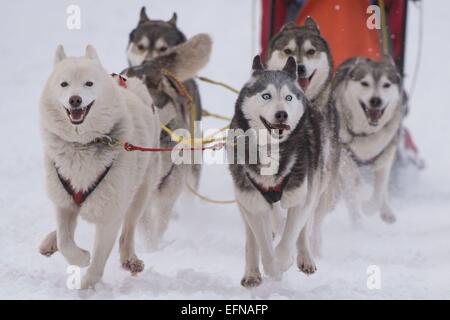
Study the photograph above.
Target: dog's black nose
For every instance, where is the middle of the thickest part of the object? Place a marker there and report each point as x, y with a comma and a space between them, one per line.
281, 116
301, 69
75, 101
375, 102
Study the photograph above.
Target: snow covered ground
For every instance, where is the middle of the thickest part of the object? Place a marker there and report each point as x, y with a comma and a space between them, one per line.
202, 255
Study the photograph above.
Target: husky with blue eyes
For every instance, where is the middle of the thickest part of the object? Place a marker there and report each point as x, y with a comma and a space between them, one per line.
284, 135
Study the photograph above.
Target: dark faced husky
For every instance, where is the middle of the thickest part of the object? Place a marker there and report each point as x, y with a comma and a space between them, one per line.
315, 69
151, 39
315, 64
371, 106
272, 107
81, 106
183, 61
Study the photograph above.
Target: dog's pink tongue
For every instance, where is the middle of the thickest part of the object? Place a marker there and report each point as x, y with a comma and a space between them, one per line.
304, 83
374, 114
76, 114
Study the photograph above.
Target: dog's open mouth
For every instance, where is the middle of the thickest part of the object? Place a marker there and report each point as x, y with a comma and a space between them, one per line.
304, 82
373, 114
278, 128
77, 115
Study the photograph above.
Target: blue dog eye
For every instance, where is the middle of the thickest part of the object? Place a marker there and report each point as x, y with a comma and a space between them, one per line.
266, 96
288, 97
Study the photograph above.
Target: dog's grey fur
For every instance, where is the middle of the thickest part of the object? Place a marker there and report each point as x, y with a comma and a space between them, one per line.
151, 39
72, 154
299, 158
300, 42
184, 61
369, 133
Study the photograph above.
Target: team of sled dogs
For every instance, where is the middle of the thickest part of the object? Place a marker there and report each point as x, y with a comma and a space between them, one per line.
322, 131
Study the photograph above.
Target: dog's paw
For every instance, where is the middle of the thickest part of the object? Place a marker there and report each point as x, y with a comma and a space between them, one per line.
306, 264
283, 259
79, 258
388, 217
251, 281
49, 245
134, 265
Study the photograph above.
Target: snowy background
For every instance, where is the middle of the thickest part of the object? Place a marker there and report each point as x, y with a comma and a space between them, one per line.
203, 251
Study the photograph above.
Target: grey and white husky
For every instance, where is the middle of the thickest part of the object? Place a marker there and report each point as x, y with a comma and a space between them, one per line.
151, 39
272, 106
315, 70
81, 106
371, 106
183, 61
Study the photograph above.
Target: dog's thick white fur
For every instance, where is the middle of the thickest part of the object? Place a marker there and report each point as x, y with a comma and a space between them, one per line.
124, 193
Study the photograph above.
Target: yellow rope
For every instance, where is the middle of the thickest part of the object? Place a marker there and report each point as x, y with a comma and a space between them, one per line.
384, 28
218, 83
198, 141
204, 198
193, 111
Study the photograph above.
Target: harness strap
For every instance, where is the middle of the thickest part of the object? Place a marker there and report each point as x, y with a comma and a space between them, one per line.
271, 194
79, 196
372, 160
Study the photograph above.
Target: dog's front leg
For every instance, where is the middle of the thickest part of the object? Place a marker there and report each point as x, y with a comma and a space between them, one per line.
49, 245
354, 189
105, 236
305, 261
65, 229
252, 275
285, 250
378, 202
128, 257
259, 223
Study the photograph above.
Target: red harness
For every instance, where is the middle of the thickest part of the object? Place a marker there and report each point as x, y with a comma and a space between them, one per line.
271, 194
122, 80
80, 196
123, 84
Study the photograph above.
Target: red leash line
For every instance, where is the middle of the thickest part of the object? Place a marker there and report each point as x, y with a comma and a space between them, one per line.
129, 147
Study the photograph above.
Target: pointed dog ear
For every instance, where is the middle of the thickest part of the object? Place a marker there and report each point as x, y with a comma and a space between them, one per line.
173, 20
291, 67
257, 65
91, 53
59, 54
312, 25
143, 16
288, 26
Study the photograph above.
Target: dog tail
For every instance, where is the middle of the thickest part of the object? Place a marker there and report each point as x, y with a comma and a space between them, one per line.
191, 56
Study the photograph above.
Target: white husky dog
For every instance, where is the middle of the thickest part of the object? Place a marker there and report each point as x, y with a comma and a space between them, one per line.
81, 107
